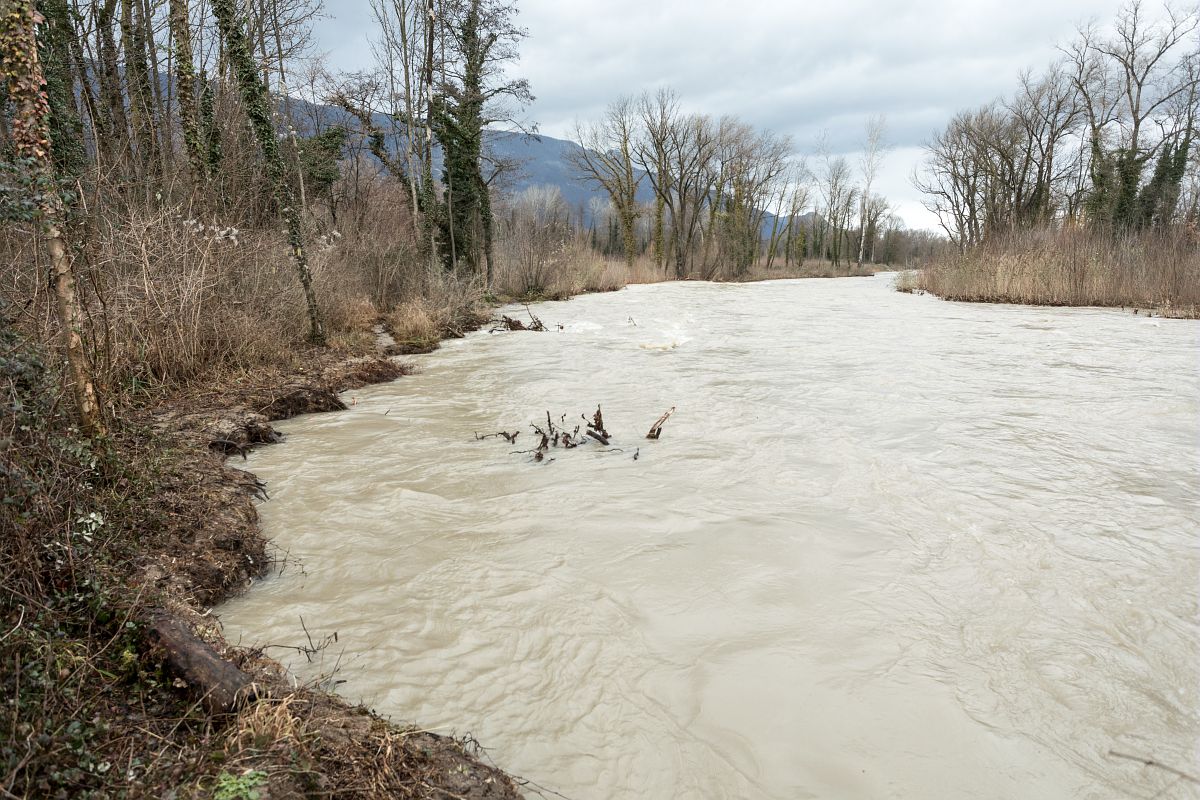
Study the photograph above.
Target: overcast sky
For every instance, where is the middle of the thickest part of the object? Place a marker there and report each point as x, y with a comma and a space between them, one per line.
795, 67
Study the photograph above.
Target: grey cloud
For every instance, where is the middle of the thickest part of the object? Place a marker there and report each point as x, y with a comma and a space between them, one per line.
796, 67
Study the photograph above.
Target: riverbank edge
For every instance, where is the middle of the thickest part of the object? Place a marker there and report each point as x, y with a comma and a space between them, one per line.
1165, 312
347, 750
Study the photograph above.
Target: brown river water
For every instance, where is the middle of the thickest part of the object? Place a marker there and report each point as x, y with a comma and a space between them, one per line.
887, 547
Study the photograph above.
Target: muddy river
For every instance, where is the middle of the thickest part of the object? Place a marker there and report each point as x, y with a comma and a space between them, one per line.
887, 547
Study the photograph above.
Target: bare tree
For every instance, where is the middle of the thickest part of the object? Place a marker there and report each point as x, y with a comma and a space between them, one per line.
874, 151
407, 30
1124, 81
751, 168
838, 195
691, 150
1047, 111
605, 158
659, 113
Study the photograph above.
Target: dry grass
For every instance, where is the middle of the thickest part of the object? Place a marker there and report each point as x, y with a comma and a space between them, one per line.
174, 301
908, 281
447, 307
810, 268
565, 269
1074, 266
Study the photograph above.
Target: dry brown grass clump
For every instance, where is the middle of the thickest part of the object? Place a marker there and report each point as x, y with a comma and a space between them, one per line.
908, 281
305, 744
1075, 266
567, 269
447, 308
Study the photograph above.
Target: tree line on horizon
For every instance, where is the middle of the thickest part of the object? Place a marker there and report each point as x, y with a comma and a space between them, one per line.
728, 197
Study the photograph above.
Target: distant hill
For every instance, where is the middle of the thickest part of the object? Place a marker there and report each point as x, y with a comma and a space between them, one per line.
543, 160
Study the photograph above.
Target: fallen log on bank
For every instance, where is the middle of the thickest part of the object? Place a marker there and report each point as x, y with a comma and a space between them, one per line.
224, 687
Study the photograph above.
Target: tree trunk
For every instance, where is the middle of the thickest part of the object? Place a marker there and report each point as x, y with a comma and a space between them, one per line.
70, 319
115, 141
185, 83
31, 140
862, 227
660, 249
258, 110
223, 686
629, 235
137, 79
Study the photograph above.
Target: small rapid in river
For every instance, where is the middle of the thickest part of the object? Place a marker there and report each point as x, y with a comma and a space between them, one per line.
887, 547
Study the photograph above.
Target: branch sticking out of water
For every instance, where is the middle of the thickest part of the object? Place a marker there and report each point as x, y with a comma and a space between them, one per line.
656, 428
553, 434
508, 323
508, 437
596, 428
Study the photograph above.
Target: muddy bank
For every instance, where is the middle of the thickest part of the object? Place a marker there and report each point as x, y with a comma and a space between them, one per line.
305, 742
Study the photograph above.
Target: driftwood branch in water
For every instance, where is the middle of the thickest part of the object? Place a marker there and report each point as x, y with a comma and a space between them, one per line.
1150, 762
656, 428
535, 324
508, 437
508, 323
553, 434
224, 686
596, 428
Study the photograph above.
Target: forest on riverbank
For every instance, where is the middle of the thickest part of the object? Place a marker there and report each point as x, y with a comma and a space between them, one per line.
1083, 186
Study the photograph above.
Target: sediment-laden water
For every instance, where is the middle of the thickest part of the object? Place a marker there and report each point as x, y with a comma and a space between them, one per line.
887, 547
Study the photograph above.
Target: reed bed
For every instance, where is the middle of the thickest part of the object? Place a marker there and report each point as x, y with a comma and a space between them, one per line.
1157, 270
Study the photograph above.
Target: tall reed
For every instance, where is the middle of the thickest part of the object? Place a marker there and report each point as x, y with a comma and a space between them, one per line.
1077, 266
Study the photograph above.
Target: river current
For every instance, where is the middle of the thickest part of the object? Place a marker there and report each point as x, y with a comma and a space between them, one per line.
887, 547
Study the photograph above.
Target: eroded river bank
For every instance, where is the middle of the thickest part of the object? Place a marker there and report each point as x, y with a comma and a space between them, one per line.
888, 546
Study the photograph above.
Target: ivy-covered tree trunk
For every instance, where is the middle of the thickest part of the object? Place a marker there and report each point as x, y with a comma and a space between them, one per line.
459, 123
31, 139
211, 151
185, 91
459, 128
486, 225
1130, 164
137, 79
257, 102
54, 54
113, 120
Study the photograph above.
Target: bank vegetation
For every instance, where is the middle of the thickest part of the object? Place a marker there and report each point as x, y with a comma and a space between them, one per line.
1083, 186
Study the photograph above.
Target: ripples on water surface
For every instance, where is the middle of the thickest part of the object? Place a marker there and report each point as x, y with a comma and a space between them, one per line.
888, 546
